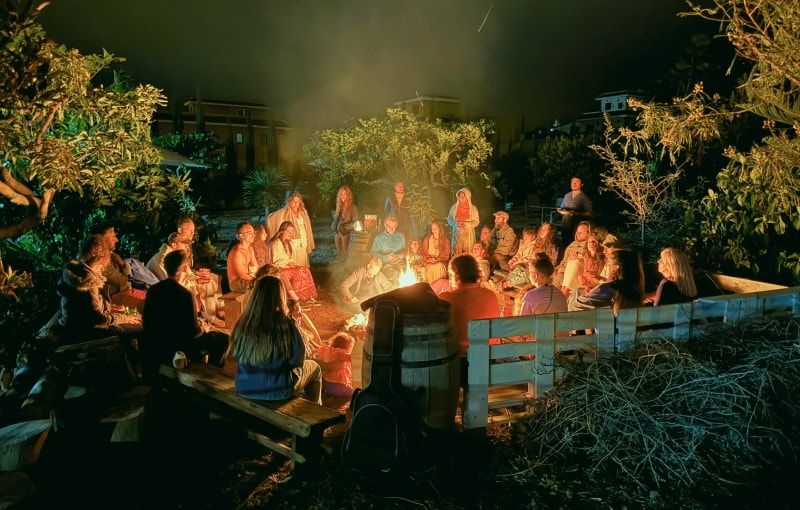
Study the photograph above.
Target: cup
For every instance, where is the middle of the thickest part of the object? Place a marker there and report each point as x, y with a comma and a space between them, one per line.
179, 361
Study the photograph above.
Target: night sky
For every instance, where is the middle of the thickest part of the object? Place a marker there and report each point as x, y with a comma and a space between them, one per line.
319, 62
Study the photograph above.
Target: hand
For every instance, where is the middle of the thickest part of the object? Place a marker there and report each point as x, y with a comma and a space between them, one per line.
354, 300
117, 308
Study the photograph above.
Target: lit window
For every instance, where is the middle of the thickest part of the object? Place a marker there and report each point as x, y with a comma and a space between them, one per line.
239, 138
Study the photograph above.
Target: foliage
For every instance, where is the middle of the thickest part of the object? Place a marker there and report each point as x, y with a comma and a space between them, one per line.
754, 212
265, 188
203, 147
73, 151
711, 418
424, 153
556, 160
645, 164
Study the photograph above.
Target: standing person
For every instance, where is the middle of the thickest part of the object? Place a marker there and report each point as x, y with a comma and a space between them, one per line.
295, 212
575, 207
544, 297
678, 284
390, 247
242, 264
269, 350
435, 253
396, 206
469, 301
463, 218
343, 220
281, 248
118, 288
503, 242
170, 322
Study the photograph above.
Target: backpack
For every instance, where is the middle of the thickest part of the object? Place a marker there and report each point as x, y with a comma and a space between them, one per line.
140, 276
383, 424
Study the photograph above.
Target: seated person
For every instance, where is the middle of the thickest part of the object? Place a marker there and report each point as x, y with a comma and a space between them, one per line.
479, 252
503, 242
85, 313
337, 374
241, 263
390, 247
269, 350
362, 284
545, 242
415, 259
281, 251
118, 288
156, 262
678, 284
435, 252
518, 265
208, 290
544, 297
171, 323
270, 270
572, 260
625, 288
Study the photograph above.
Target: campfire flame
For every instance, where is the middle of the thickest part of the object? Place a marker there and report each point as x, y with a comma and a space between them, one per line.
408, 277
357, 320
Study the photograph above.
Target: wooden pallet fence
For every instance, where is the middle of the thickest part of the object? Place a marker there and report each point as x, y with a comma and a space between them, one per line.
529, 344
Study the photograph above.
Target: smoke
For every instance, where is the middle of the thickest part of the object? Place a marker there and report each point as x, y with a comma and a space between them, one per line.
318, 63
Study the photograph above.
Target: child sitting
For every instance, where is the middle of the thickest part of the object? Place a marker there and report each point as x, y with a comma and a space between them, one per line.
415, 259
337, 373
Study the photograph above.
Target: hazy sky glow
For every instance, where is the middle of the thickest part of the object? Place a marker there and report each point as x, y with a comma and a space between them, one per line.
319, 62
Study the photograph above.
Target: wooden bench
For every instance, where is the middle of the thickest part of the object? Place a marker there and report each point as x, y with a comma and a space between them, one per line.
264, 422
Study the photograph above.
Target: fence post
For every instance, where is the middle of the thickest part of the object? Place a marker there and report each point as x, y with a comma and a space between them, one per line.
544, 327
682, 320
475, 412
604, 325
626, 328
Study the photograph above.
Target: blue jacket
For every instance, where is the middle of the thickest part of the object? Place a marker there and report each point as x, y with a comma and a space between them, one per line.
386, 243
274, 380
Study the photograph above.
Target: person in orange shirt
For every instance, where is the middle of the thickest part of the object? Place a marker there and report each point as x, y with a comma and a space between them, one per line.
469, 301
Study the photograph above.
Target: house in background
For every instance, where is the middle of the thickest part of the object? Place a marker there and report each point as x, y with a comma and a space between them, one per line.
451, 109
613, 104
273, 139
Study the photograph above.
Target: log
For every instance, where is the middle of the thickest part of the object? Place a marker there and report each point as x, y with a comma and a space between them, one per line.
126, 412
21, 444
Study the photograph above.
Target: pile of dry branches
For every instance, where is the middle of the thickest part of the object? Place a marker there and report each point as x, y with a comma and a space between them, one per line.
711, 416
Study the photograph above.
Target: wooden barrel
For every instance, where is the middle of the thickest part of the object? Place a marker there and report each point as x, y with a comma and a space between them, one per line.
429, 365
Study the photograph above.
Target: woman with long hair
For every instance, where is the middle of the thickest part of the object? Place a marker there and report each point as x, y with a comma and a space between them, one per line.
463, 218
343, 220
545, 242
435, 252
260, 244
678, 284
302, 237
281, 255
628, 285
269, 350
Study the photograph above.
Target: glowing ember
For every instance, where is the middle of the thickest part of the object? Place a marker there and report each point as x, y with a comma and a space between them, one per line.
408, 277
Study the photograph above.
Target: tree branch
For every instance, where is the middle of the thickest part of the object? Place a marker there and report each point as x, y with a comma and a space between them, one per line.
40, 209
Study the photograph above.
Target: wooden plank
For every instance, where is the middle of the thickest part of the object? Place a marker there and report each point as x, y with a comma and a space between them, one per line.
296, 416
476, 394
575, 343
544, 327
626, 328
605, 323
742, 285
511, 350
515, 372
110, 341
275, 446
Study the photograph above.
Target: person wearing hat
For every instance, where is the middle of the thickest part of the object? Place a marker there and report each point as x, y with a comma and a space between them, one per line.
502, 243
611, 244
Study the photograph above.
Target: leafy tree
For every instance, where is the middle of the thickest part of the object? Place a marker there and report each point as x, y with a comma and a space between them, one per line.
556, 160
426, 154
69, 148
753, 213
